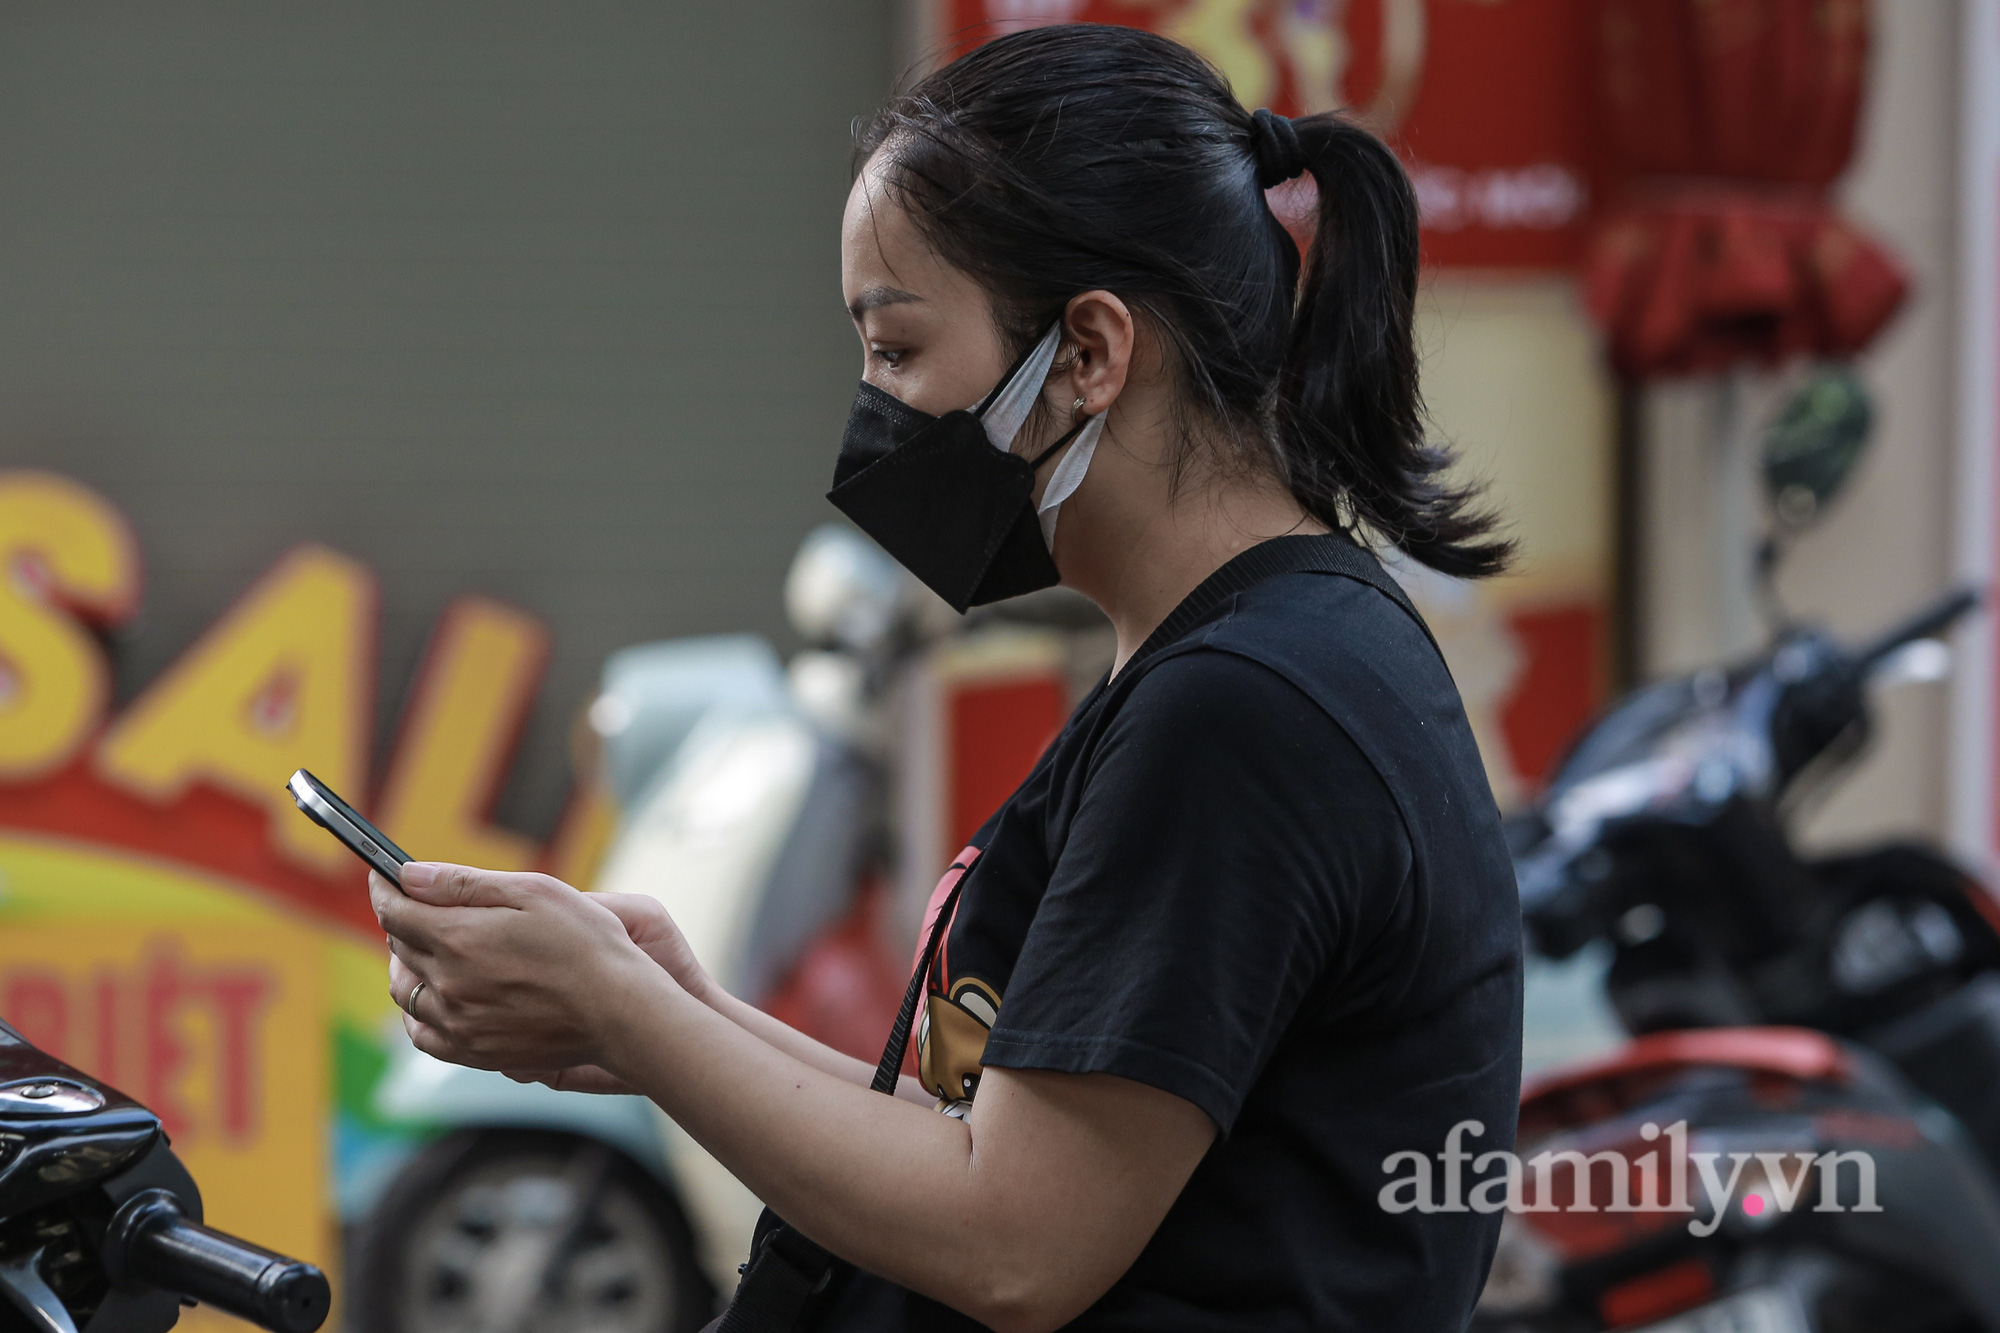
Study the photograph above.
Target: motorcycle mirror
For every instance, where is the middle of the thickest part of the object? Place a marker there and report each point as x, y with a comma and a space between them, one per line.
1812, 446
843, 590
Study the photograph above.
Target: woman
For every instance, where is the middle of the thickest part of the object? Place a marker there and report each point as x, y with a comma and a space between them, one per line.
1248, 929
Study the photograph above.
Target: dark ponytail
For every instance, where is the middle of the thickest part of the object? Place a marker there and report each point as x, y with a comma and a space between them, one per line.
1349, 418
1078, 157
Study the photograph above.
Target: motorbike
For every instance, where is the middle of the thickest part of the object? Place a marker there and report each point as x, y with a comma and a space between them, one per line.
101, 1226
1786, 1010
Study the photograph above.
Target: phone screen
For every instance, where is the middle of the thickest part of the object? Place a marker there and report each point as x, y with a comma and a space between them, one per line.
323, 806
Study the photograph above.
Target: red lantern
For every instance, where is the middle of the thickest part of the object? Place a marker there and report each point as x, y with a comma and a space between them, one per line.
1727, 121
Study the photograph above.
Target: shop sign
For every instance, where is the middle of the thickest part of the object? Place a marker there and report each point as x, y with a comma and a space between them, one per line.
1488, 101
195, 767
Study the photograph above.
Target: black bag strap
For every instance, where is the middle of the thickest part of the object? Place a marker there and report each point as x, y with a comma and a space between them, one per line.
785, 1270
889, 1068
1338, 556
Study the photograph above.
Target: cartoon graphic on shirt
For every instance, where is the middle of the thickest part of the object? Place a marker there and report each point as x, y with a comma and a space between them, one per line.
952, 1041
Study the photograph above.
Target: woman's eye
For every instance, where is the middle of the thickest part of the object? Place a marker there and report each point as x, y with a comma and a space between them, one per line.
888, 356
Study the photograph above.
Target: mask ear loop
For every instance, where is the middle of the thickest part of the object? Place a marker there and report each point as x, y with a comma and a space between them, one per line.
1035, 463
1003, 413
1068, 474
979, 409
1006, 410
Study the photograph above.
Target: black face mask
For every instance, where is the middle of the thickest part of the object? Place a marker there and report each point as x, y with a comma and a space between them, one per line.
938, 494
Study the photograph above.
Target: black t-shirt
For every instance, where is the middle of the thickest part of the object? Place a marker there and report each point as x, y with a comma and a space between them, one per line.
1260, 869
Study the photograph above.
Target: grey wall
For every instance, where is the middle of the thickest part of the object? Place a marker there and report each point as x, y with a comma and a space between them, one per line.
539, 301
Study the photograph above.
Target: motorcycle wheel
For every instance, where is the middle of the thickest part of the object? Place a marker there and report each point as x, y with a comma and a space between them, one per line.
519, 1231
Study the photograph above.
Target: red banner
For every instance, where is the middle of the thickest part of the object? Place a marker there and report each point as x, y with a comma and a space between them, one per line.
1490, 102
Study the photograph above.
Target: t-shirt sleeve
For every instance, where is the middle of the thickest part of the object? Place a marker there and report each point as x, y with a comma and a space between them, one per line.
1229, 844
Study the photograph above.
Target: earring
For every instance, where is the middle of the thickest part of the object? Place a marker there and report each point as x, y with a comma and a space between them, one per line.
1076, 409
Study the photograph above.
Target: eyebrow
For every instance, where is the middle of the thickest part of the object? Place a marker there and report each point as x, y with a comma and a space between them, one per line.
877, 297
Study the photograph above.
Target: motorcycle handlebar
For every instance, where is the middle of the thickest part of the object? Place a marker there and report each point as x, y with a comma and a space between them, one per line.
151, 1241
1932, 620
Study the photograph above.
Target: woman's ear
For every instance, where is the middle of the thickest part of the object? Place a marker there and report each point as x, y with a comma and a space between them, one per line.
1099, 327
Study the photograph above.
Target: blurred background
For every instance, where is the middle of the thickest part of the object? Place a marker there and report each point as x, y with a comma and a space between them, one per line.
442, 399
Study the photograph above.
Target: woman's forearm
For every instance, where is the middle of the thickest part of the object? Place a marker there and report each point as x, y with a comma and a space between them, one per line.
883, 1183
782, 1035
1019, 1215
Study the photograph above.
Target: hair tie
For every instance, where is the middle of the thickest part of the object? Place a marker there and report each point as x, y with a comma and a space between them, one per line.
1275, 146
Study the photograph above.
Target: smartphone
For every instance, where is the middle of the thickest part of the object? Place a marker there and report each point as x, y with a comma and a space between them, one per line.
344, 822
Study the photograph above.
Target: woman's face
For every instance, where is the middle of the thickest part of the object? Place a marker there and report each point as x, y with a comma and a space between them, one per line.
927, 331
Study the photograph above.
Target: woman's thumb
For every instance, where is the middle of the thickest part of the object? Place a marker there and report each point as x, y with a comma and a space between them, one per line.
443, 884
635, 910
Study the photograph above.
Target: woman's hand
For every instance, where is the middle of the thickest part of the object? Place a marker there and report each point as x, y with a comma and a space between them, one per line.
577, 1078
653, 930
517, 971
